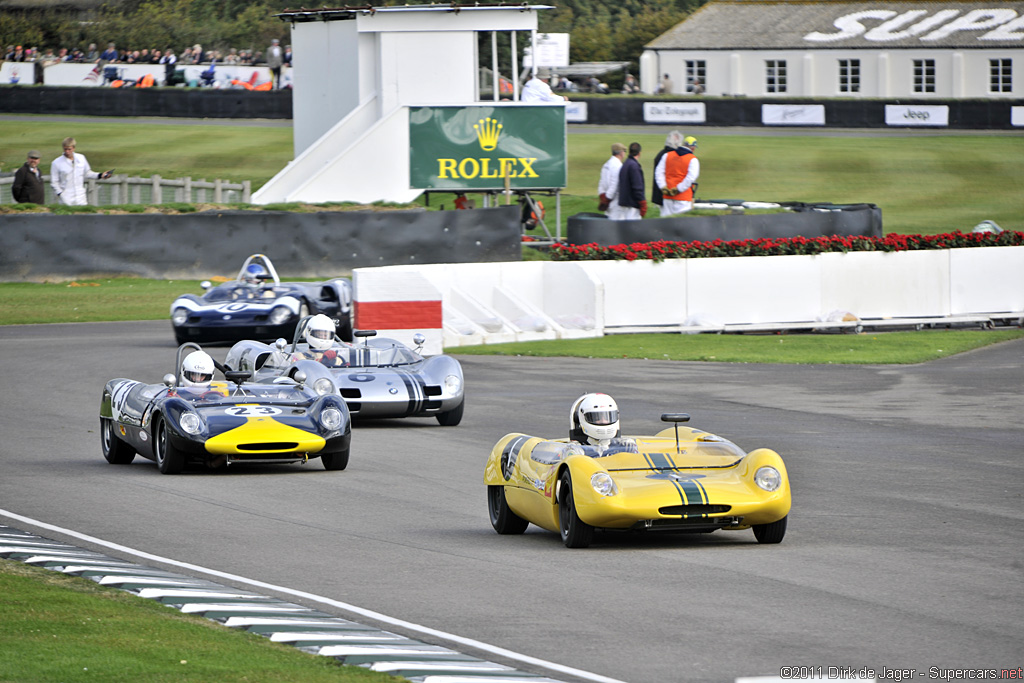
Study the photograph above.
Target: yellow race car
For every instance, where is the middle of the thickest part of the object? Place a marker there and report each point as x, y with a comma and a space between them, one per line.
680, 480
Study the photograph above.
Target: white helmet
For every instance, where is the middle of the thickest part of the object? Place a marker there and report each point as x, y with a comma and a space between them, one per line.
197, 369
594, 417
320, 332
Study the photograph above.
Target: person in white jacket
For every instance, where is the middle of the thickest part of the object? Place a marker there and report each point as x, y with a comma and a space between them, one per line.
68, 173
608, 187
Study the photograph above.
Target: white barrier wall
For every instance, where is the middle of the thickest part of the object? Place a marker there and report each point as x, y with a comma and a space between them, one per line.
522, 301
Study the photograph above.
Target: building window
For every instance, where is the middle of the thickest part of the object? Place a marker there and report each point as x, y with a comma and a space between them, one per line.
696, 82
849, 75
1000, 75
775, 76
924, 75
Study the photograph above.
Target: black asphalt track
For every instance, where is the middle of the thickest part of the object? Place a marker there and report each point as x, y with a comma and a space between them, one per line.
903, 549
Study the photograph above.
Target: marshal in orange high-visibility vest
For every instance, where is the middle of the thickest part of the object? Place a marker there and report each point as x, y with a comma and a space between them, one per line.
676, 167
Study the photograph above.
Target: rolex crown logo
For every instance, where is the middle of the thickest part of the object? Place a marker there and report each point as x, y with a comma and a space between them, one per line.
487, 131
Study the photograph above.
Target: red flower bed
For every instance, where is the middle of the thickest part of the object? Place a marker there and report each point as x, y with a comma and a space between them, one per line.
661, 250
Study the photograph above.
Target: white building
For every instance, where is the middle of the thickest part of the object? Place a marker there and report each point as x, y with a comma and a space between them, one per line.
872, 49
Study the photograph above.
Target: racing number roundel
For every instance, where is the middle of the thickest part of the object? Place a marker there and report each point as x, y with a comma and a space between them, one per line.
252, 411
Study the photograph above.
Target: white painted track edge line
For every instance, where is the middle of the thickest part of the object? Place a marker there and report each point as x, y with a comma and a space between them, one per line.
426, 630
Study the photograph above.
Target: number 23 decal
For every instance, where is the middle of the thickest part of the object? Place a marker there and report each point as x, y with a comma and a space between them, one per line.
252, 411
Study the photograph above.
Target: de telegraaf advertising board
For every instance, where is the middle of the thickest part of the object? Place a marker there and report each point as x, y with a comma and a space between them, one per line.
674, 112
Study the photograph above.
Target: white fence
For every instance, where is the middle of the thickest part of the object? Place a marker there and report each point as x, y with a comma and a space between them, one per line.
124, 189
461, 304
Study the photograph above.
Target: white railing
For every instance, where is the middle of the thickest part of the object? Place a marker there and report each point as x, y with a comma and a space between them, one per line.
124, 189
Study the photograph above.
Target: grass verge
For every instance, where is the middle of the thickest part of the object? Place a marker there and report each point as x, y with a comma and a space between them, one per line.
866, 348
925, 184
65, 628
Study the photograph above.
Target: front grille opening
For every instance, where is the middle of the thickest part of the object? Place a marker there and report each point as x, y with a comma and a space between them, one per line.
269, 446
432, 390
694, 510
351, 393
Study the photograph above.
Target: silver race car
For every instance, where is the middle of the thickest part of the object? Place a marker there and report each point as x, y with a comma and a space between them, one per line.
377, 377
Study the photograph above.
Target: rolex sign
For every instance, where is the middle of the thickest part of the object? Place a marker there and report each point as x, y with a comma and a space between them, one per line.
520, 147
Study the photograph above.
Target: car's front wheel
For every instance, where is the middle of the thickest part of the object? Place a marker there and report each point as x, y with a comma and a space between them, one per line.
116, 452
168, 458
503, 519
453, 416
335, 461
770, 533
575, 532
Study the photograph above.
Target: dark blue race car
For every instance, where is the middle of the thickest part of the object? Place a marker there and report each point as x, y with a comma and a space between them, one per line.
257, 305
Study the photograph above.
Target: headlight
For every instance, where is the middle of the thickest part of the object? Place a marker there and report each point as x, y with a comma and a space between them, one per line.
453, 383
603, 484
323, 386
179, 316
279, 314
768, 478
330, 418
191, 423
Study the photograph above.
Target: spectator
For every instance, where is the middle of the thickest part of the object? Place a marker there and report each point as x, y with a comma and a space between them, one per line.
608, 186
632, 205
677, 173
536, 90
18, 55
49, 59
232, 57
28, 184
288, 55
672, 140
92, 54
666, 85
170, 61
186, 56
68, 173
9, 54
198, 56
109, 55
630, 86
698, 87
275, 58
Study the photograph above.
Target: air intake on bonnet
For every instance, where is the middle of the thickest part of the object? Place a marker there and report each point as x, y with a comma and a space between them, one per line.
269, 446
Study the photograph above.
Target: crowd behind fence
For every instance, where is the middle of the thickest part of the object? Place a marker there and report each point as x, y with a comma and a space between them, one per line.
124, 189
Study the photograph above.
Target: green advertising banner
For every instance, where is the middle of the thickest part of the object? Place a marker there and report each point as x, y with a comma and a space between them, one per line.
485, 147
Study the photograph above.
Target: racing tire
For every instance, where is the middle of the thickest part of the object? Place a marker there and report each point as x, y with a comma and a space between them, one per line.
503, 520
169, 459
575, 532
453, 417
335, 461
116, 452
770, 533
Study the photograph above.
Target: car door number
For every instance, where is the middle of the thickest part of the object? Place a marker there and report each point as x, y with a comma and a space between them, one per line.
252, 411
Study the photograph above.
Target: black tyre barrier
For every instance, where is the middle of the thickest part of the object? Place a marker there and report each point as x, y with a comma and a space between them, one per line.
804, 220
37, 247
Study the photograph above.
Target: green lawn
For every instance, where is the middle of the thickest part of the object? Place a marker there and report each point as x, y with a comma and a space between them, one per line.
833, 348
923, 183
65, 628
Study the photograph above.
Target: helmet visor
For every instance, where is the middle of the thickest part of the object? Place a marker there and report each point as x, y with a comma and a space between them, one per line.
602, 418
198, 377
321, 334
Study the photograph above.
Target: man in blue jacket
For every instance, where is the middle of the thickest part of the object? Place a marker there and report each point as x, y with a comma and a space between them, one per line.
632, 205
